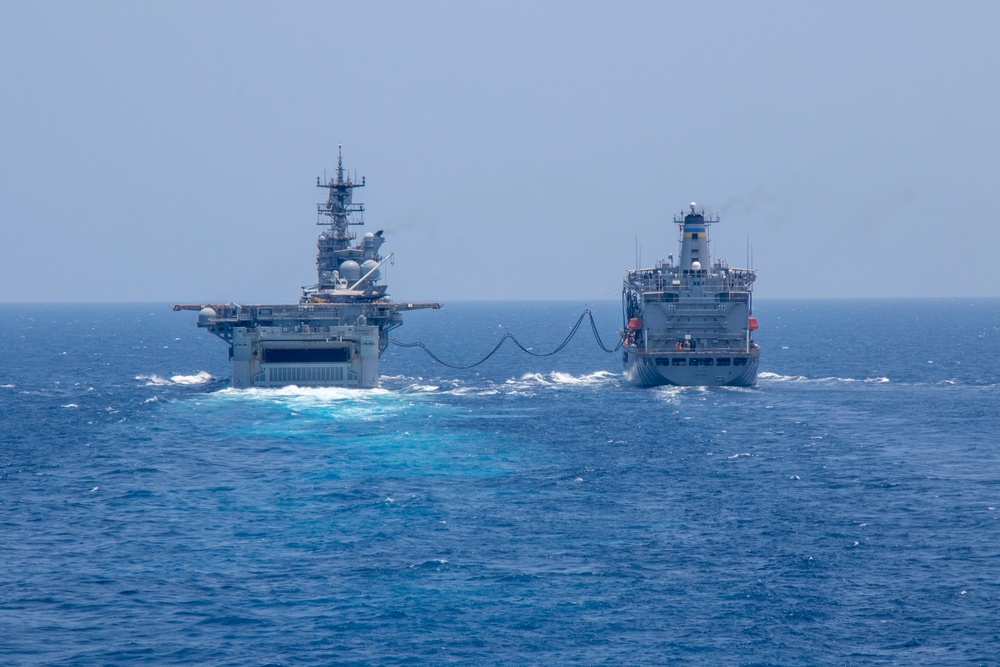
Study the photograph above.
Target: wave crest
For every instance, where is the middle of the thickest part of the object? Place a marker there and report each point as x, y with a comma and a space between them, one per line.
775, 377
559, 377
154, 380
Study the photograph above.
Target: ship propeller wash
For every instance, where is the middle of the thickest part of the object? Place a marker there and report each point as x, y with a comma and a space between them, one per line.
336, 333
690, 323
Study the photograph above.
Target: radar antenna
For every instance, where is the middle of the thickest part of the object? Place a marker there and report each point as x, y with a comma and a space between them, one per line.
338, 207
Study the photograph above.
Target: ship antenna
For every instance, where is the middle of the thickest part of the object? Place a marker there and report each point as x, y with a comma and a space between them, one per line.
340, 164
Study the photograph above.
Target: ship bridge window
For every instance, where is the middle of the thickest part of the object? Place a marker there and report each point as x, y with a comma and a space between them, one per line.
740, 361
708, 362
679, 362
722, 361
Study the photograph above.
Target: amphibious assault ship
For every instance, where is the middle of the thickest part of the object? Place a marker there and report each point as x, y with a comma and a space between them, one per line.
690, 323
336, 333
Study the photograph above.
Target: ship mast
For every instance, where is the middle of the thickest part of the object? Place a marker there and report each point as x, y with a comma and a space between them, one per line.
338, 206
337, 261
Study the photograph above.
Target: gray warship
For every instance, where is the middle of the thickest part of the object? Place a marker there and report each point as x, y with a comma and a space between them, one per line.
690, 323
336, 333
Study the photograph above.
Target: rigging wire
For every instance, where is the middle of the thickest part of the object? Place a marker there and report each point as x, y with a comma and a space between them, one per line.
572, 332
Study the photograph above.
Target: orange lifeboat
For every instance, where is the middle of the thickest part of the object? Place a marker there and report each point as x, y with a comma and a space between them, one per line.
635, 324
753, 324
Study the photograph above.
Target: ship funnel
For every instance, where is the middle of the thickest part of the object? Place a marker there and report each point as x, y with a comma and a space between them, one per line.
694, 239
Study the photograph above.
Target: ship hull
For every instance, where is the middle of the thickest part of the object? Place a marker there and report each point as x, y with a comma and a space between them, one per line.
345, 356
708, 368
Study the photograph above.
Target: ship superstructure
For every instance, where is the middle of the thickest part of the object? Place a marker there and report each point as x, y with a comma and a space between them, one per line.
690, 323
336, 333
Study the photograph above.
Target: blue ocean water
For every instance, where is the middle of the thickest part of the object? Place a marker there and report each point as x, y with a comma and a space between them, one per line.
525, 512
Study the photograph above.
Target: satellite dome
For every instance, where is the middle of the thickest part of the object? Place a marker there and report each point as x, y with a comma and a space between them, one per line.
368, 266
205, 316
696, 265
350, 270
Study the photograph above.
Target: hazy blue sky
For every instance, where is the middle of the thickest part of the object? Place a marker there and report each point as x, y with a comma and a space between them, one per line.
514, 150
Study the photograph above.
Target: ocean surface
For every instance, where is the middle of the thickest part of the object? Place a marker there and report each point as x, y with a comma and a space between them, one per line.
529, 511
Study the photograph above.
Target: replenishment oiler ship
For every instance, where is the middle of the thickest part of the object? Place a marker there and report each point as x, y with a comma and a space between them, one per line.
336, 333
690, 323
